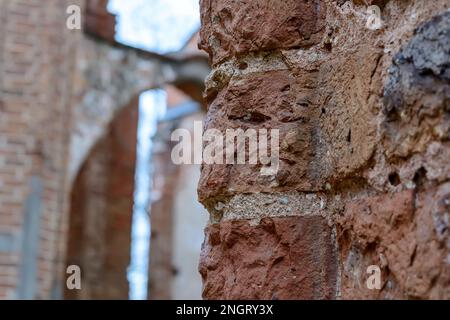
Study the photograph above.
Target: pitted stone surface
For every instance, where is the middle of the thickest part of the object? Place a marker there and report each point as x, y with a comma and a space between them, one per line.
417, 92
363, 128
280, 258
406, 235
233, 27
275, 100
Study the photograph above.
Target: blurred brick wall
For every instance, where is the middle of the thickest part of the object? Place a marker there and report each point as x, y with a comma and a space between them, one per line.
60, 90
177, 219
101, 207
37, 59
165, 174
99, 21
46, 98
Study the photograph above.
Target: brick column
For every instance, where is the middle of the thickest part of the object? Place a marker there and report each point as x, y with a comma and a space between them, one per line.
362, 110
269, 236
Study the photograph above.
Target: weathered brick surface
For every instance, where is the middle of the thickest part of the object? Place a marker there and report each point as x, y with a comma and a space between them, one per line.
376, 231
417, 91
406, 235
270, 100
279, 258
237, 27
363, 117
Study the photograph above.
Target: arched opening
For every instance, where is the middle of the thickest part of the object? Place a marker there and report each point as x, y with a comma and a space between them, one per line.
112, 198
100, 216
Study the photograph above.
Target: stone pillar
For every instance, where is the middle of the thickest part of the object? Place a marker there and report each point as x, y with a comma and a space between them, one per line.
269, 237
364, 167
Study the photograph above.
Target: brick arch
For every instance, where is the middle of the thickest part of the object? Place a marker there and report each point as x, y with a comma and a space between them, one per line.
110, 75
99, 237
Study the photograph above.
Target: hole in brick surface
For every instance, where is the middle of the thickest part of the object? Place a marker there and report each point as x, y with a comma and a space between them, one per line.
252, 117
394, 179
420, 176
243, 65
392, 115
286, 88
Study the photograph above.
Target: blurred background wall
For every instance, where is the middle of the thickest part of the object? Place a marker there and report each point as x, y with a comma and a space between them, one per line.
174, 215
69, 118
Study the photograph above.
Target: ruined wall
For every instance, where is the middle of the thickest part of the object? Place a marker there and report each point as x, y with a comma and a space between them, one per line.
49, 95
100, 215
164, 175
37, 61
60, 90
177, 219
364, 169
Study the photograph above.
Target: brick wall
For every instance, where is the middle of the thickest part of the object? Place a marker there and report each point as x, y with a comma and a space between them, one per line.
177, 219
60, 90
37, 60
364, 130
54, 108
101, 212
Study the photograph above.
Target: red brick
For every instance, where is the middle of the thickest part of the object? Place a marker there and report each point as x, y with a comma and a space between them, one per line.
232, 27
280, 258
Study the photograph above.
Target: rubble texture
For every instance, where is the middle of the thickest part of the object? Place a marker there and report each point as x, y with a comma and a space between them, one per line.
364, 149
